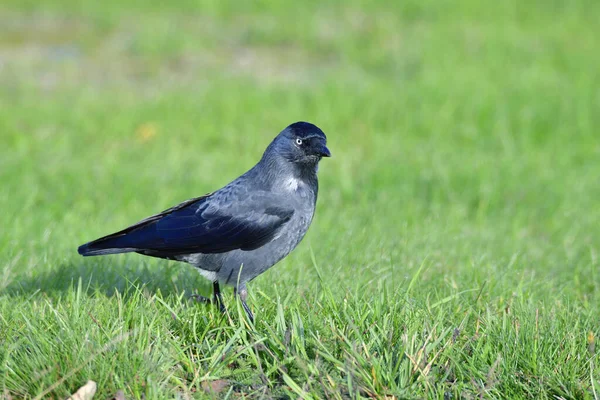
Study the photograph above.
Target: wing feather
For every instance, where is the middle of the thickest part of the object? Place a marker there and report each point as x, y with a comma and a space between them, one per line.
200, 225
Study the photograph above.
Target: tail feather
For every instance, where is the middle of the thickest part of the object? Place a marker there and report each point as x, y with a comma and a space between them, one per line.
103, 246
135, 237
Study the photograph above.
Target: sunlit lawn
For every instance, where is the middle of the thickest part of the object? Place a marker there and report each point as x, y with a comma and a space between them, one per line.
454, 253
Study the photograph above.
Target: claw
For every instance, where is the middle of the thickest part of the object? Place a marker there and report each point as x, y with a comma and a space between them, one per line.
200, 299
217, 299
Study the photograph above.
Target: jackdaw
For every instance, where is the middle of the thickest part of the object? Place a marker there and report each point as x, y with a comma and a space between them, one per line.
241, 230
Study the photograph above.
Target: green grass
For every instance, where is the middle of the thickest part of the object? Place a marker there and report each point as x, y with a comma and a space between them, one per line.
454, 253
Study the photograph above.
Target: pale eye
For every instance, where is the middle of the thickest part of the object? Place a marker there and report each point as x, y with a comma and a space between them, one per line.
298, 141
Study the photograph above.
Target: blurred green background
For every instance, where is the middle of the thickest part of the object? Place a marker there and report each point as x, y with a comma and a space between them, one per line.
464, 175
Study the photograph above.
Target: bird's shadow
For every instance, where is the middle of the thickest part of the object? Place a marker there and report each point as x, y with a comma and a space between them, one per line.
111, 278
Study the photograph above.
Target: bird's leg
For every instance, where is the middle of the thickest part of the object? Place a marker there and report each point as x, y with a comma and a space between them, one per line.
217, 298
243, 293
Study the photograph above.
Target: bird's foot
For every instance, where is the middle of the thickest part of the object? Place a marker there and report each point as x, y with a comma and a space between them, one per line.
201, 299
217, 299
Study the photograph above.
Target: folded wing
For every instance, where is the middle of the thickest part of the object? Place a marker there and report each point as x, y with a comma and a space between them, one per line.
200, 225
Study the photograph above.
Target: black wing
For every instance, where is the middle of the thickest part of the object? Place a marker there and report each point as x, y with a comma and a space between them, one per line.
198, 225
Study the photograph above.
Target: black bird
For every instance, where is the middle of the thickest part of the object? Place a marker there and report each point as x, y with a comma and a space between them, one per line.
238, 232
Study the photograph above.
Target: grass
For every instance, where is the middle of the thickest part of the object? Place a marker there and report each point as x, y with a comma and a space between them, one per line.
454, 253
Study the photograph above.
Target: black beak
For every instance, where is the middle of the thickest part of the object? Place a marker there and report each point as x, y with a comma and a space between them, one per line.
324, 151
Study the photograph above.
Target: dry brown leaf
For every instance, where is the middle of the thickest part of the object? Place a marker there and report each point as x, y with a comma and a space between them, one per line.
86, 392
119, 395
215, 386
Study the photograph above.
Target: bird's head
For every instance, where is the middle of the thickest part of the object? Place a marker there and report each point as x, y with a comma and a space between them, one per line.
301, 143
